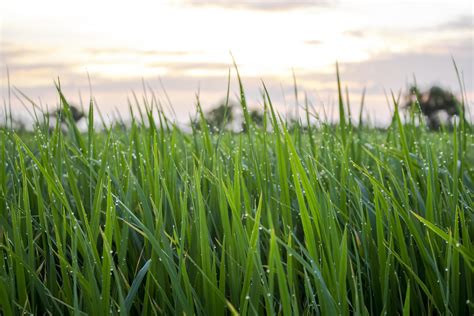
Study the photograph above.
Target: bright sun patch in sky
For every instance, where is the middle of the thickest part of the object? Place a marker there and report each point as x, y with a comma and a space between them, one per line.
379, 45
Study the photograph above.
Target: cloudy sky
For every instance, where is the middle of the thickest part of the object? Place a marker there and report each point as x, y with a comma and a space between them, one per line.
184, 48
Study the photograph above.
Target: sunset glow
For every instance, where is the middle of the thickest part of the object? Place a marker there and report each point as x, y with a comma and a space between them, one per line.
188, 44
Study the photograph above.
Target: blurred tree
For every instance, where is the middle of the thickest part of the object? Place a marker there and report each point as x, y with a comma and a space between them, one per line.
75, 113
217, 118
221, 116
256, 117
434, 103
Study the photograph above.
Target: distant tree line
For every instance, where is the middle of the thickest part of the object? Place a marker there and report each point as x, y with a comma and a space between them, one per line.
437, 105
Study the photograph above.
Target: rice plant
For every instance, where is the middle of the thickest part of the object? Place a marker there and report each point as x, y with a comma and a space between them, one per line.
326, 220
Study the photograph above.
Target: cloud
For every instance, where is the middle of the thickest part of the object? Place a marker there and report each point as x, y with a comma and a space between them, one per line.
313, 42
433, 65
461, 23
183, 67
355, 33
13, 51
128, 51
269, 5
37, 67
34, 66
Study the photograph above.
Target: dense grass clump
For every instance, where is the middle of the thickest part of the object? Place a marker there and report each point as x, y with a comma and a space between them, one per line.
333, 220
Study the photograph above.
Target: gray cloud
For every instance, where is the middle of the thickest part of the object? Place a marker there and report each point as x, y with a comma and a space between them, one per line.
355, 33
458, 24
395, 71
270, 5
53, 67
16, 59
119, 50
461, 23
11, 51
313, 42
180, 67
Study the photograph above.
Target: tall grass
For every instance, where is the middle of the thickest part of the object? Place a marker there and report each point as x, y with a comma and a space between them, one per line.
152, 220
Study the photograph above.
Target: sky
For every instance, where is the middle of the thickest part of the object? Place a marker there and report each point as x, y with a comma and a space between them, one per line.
182, 49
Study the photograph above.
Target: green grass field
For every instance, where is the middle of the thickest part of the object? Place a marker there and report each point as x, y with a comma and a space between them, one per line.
334, 220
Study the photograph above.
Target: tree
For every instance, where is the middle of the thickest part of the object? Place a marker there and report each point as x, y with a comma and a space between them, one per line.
433, 104
256, 117
76, 114
220, 116
217, 118
223, 115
